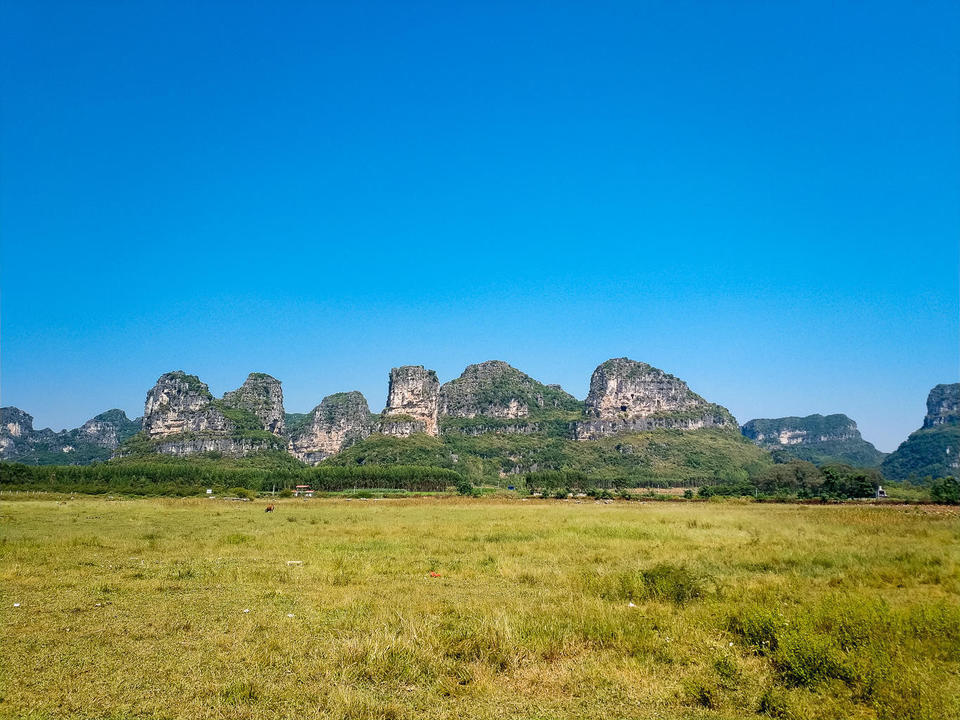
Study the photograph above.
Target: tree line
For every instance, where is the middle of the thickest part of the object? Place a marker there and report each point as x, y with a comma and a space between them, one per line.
164, 478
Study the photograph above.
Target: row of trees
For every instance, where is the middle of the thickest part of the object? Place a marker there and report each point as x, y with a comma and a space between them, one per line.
164, 478
795, 479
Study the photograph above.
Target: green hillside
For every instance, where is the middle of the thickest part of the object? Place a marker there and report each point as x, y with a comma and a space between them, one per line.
929, 452
657, 456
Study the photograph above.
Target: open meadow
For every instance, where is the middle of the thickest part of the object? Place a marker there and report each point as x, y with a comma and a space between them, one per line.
447, 607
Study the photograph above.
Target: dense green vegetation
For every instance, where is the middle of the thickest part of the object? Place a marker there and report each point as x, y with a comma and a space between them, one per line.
852, 452
43, 452
801, 479
929, 452
193, 383
653, 457
491, 387
552, 423
294, 422
192, 478
945, 491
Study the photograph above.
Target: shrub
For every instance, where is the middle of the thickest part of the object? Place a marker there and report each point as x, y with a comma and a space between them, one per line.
663, 582
806, 658
759, 626
671, 582
465, 487
945, 491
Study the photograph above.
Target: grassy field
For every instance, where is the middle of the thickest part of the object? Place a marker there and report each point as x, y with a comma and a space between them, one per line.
444, 608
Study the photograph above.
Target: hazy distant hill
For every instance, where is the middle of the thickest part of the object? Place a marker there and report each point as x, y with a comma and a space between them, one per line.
820, 439
96, 439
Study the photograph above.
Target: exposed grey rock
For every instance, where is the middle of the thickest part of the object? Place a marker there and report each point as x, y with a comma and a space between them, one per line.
108, 429
808, 430
181, 403
630, 396
338, 422
934, 449
181, 416
414, 396
16, 423
943, 406
497, 390
262, 395
92, 441
184, 445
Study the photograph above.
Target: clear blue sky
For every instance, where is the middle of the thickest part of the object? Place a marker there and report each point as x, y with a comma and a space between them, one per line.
762, 198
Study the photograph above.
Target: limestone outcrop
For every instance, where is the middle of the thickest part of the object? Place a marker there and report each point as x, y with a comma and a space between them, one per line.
182, 417
93, 441
261, 395
934, 449
495, 389
181, 403
630, 396
338, 422
108, 429
819, 439
412, 402
943, 406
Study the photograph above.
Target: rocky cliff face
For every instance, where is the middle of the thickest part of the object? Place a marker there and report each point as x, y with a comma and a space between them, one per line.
820, 439
630, 396
108, 429
943, 406
495, 389
338, 422
934, 449
94, 440
181, 416
412, 402
261, 395
16, 423
181, 403
809, 430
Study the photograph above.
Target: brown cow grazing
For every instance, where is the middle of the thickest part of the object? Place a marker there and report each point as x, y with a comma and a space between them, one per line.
269, 508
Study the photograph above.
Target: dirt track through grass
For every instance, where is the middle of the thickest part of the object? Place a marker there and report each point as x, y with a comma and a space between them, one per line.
190, 609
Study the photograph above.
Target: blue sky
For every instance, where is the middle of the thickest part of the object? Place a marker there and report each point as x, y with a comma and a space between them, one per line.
762, 198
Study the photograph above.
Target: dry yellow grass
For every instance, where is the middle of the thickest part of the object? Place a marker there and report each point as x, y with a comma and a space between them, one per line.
189, 609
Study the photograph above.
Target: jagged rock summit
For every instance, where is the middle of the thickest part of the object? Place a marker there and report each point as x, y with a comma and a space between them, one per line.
630, 396
108, 429
181, 416
819, 439
412, 402
338, 422
943, 406
934, 449
496, 389
181, 403
94, 440
262, 395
